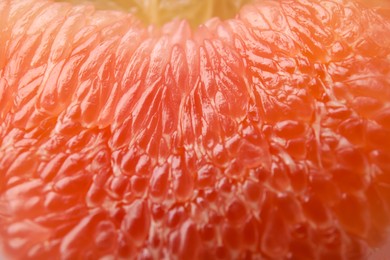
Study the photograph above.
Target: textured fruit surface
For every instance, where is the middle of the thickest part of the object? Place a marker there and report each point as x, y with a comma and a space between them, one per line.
263, 136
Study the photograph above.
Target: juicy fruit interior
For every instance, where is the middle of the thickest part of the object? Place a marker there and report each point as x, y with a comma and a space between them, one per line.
261, 136
159, 12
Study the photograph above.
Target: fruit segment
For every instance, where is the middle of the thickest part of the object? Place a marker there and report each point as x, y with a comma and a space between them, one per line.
262, 136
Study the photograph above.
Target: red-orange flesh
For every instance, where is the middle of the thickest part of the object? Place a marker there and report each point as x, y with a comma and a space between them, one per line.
263, 136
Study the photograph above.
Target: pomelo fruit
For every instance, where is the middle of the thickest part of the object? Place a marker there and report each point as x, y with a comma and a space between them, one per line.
264, 136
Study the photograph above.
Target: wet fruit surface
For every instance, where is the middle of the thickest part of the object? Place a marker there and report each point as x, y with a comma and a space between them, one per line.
261, 136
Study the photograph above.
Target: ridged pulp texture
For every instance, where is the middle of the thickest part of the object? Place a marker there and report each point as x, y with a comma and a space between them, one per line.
261, 136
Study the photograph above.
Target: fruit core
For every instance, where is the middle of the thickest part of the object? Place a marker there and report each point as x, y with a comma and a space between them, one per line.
159, 12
